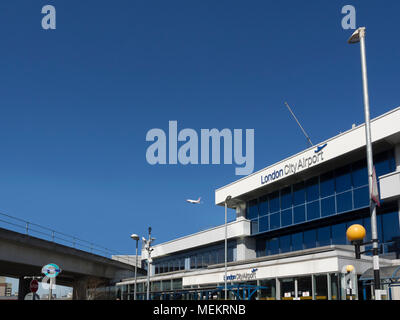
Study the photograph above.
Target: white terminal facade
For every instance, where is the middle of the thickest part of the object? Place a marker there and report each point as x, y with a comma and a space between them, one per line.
288, 240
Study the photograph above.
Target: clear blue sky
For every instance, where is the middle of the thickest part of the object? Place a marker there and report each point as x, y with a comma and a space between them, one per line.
77, 102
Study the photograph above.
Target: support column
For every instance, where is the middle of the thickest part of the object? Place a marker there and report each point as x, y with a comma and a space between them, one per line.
397, 159
23, 287
80, 287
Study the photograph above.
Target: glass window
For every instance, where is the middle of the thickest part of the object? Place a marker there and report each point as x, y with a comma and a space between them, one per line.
264, 225
273, 246
328, 206
324, 236
286, 198
339, 233
304, 286
166, 284
310, 239
382, 164
193, 262
391, 229
275, 221
335, 292
221, 255
254, 226
313, 210
260, 247
206, 259
297, 241
299, 195
252, 209
360, 173
299, 214
312, 189
285, 243
361, 197
263, 206
268, 292
176, 284
287, 289
327, 184
321, 287
344, 201
274, 202
286, 217
343, 179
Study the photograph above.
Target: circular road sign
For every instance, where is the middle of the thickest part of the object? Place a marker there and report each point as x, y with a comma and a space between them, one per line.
34, 285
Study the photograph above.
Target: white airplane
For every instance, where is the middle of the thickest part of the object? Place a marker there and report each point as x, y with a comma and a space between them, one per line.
194, 201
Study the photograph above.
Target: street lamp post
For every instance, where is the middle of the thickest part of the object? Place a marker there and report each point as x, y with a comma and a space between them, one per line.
136, 238
359, 36
149, 250
226, 246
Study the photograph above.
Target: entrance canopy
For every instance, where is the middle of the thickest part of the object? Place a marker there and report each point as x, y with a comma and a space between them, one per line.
387, 274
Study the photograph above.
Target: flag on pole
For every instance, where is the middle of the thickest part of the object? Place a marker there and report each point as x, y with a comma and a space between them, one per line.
375, 191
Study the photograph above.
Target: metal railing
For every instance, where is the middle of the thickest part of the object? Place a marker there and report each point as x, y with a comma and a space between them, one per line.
33, 229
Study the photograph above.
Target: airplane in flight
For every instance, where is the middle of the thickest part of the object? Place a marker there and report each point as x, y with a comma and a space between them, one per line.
194, 201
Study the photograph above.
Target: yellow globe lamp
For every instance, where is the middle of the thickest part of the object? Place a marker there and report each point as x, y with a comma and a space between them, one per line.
355, 232
349, 268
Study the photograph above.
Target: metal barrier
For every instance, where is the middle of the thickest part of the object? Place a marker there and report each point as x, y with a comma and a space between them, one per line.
32, 229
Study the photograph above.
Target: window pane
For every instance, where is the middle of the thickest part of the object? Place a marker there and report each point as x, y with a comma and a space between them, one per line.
285, 243
344, 202
274, 202
382, 164
361, 197
324, 236
339, 233
286, 217
254, 226
273, 246
299, 214
286, 198
260, 247
263, 206
274, 220
312, 189
391, 230
298, 194
328, 206
313, 210
343, 179
310, 239
327, 184
360, 173
297, 241
263, 226
252, 209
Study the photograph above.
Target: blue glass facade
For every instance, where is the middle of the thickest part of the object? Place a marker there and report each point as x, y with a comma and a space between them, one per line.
335, 192
335, 233
195, 259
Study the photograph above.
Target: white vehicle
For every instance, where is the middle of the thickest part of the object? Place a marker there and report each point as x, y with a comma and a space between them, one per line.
194, 201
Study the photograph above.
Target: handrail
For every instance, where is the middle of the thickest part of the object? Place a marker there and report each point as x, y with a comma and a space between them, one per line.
59, 237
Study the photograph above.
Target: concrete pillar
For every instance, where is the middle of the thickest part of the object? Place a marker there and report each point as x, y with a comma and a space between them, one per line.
245, 249
23, 287
80, 289
241, 211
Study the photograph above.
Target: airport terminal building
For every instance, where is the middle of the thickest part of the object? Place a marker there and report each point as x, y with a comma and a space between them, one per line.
288, 240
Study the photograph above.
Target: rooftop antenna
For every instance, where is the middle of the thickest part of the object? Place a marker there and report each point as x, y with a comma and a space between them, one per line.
304, 132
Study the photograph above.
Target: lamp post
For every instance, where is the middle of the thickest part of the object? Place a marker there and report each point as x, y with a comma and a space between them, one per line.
136, 238
147, 246
359, 36
226, 246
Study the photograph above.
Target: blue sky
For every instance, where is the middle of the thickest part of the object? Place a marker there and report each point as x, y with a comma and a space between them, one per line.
77, 102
